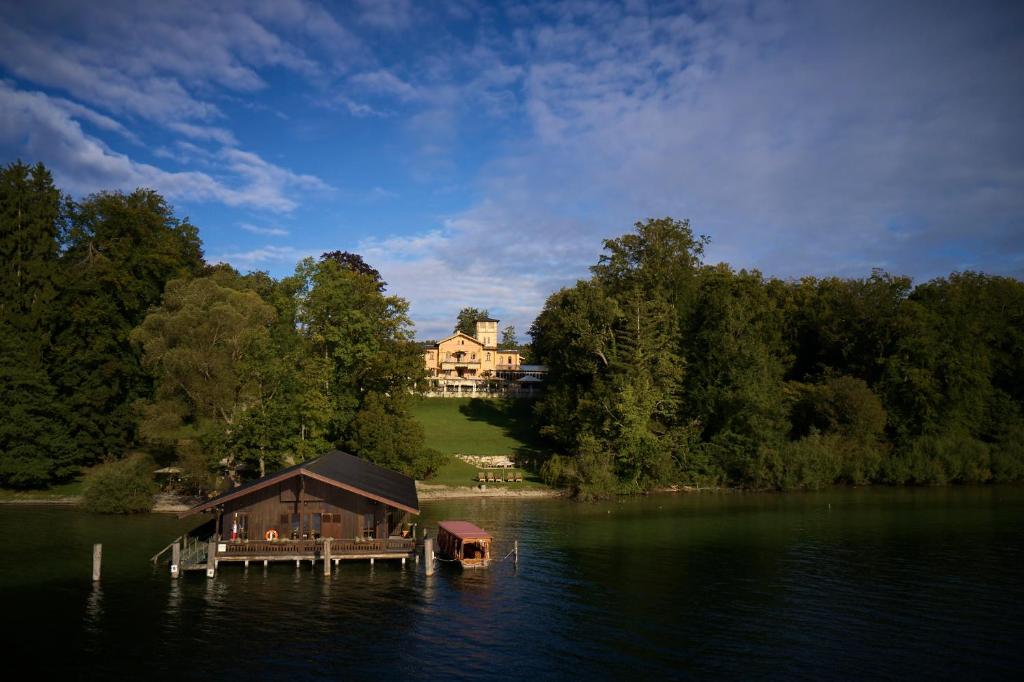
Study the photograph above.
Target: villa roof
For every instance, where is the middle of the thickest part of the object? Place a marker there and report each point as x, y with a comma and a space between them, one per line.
457, 334
341, 470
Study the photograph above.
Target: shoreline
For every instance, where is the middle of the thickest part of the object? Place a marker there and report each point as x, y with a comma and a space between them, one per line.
427, 491
175, 504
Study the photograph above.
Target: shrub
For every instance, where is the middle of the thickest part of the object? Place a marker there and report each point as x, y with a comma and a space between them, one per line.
589, 475
121, 487
1008, 457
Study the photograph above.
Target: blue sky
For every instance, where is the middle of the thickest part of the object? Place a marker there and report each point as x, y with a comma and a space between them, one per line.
477, 153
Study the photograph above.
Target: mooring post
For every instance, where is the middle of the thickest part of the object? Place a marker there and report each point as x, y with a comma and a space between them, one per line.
97, 560
211, 559
515, 555
327, 556
428, 556
175, 559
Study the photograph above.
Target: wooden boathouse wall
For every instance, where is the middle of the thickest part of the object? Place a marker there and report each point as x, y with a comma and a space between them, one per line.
303, 507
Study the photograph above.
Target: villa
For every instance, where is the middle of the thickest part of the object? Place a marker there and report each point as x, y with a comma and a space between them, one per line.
462, 364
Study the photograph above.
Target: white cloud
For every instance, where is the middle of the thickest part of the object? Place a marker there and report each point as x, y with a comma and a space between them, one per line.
264, 257
392, 15
804, 138
210, 133
267, 231
38, 127
382, 81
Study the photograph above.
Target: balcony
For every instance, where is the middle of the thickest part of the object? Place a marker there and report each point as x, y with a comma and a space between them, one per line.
455, 364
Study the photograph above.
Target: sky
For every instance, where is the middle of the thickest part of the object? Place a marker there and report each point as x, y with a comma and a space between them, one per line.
477, 153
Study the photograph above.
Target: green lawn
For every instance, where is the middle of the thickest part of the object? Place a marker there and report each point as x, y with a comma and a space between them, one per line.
472, 426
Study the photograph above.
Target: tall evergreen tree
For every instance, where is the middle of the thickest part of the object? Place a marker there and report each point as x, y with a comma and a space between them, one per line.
121, 251
34, 445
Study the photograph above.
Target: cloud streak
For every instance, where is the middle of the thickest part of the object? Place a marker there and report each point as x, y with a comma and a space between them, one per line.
43, 128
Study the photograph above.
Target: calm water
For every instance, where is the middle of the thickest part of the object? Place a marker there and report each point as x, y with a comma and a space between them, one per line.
841, 584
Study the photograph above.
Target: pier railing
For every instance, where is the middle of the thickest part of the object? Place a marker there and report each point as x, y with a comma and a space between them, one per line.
315, 547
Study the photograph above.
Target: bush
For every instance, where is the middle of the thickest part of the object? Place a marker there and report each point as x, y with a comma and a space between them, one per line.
121, 487
812, 462
588, 475
939, 459
1008, 455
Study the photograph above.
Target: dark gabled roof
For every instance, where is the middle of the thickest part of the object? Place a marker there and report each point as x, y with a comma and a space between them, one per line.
341, 470
465, 530
487, 319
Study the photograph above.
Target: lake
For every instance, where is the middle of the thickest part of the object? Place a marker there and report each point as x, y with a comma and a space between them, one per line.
891, 583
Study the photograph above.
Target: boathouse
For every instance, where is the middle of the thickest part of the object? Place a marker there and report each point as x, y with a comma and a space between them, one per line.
337, 506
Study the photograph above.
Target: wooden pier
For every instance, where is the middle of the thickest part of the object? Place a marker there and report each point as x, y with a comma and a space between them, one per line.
196, 554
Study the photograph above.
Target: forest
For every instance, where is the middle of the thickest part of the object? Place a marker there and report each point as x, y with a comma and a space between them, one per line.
118, 341
665, 370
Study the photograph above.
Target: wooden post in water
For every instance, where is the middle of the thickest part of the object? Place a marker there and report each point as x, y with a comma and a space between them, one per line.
327, 556
211, 559
428, 555
515, 555
176, 560
97, 560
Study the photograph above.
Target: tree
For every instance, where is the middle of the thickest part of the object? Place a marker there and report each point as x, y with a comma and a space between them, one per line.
208, 347
467, 318
612, 345
120, 252
35, 448
508, 339
32, 214
384, 432
355, 263
371, 362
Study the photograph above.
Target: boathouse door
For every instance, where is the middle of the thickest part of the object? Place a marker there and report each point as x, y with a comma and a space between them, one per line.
332, 526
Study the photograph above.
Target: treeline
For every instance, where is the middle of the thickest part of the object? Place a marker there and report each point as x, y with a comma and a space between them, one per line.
115, 336
665, 370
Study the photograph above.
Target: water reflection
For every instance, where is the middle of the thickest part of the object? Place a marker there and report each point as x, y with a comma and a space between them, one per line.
94, 608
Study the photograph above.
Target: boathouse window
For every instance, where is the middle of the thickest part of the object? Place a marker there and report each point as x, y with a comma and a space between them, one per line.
315, 526
369, 528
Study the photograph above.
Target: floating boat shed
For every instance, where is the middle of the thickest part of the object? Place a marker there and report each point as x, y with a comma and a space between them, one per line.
332, 508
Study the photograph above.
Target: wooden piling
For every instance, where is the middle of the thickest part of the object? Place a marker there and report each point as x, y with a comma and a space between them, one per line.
176, 560
515, 555
211, 559
327, 556
97, 561
428, 556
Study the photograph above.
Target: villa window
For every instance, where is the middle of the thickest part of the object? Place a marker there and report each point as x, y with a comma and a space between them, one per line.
488, 357
472, 356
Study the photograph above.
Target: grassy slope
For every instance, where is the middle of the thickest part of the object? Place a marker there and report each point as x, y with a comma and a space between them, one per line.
472, 426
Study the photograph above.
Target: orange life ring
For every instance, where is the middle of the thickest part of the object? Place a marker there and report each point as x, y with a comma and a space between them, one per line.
270, 534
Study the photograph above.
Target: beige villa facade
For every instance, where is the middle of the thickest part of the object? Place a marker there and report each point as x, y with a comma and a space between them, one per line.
463, 364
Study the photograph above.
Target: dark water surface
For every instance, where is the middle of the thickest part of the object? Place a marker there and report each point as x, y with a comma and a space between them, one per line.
839, 584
